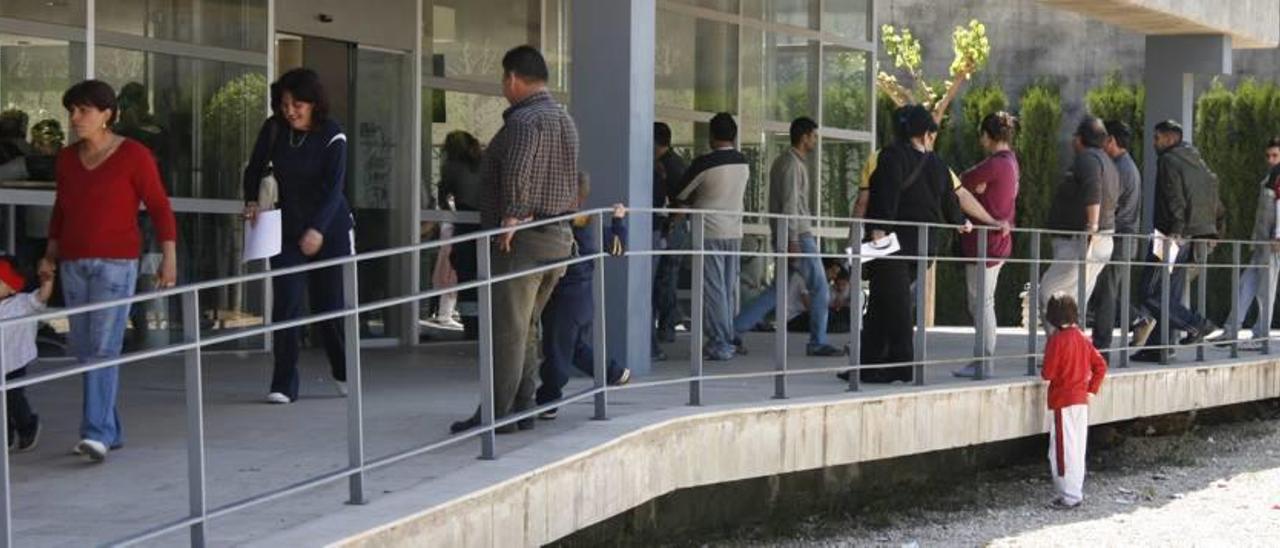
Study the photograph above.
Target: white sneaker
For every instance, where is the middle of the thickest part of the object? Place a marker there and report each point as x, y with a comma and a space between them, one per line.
95, 450
341, 387
278, 398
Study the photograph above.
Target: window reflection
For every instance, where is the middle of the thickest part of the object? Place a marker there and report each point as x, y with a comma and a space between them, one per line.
469, 37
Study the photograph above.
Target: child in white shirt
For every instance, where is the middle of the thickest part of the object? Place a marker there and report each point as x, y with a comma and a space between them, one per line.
20, 350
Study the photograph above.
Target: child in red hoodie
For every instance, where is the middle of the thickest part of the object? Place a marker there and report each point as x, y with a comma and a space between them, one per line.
1074, 369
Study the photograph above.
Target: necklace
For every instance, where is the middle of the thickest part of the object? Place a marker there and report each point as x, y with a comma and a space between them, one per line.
300, 142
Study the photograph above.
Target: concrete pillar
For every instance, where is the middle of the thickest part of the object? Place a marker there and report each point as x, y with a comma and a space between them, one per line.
611, 98
1171, 63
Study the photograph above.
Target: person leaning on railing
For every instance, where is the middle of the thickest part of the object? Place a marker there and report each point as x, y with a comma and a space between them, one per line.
306, 151
1187, 209
94, 240
989, 195
529, 173
910, 183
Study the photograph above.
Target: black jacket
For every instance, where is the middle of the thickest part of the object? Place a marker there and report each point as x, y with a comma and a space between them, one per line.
1187, 201
931, 198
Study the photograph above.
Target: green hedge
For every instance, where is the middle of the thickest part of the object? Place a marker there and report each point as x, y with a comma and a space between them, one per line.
1115, 100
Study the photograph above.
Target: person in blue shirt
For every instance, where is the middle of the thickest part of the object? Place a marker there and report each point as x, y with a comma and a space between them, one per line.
567, 320
306, 151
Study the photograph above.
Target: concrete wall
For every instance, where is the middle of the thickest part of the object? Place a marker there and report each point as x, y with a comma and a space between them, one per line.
557, 499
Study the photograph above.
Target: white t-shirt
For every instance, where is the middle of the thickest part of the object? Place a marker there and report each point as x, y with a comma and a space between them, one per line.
19, 339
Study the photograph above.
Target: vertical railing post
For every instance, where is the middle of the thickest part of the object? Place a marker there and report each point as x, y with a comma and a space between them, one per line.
484, 298
1126, 280
980, 308
1267, 305
6, 485
855, 306
196, 478
781, 281
696, 309
922, 342
1082, 279
1033, 304
355, 388
599, 352
1165, 280
1237, 315
1202, 256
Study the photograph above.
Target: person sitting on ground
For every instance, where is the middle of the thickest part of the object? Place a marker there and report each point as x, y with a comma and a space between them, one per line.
798, 301
1074, 369
567, 320
20, 349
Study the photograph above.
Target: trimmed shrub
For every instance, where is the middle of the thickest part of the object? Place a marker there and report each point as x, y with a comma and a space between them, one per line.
1115, 100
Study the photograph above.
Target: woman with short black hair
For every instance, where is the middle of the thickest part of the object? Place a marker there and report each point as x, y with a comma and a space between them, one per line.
94, 241
306, 151
910, 183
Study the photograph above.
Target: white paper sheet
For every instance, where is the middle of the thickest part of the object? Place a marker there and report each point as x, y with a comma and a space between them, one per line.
1157, 243
263, 239
883, 247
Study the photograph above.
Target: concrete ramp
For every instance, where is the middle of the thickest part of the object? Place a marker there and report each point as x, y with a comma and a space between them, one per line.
563, 484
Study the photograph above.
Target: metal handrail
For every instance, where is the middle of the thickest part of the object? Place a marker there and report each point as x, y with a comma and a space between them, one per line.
194, 341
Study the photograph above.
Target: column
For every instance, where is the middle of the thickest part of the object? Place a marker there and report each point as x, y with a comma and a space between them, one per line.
611, 99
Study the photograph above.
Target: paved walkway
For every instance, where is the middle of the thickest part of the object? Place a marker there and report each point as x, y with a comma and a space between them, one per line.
411, 397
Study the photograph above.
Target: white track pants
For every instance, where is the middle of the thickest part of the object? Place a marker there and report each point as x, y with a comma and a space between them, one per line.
1068, 436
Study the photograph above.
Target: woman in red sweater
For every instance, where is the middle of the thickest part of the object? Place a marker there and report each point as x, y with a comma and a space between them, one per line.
94, 240
1074, 369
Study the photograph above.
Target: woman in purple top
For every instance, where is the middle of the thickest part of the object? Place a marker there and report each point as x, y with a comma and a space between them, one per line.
993, 185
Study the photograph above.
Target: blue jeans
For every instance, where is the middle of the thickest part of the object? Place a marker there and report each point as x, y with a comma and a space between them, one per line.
720, 295
1251, 290
97, 336
815, 279
1180, 317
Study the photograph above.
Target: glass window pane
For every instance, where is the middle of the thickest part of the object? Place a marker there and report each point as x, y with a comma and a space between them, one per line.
198, 117
841, 169
234, 24
788, 62
447, 112
844, 89
64, 12
469, 37
798, 13
847, 18
34, 72
696, 64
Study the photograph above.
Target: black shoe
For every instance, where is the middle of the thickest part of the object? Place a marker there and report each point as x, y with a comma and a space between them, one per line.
27, 437
824, 351
525, 424
844, 375
464, 425
739, 348
1195, 337
550, 414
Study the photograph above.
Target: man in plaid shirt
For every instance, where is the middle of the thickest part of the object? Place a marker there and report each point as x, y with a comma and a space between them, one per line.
530, 172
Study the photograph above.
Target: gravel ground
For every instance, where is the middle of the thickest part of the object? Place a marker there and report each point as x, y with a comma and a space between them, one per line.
1210, 486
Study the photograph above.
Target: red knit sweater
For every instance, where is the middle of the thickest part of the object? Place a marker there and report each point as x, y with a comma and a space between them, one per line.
1073, 367
95, 213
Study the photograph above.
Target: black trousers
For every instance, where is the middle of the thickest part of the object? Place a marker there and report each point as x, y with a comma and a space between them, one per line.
19, 409
323, 289
888, 327
1107, 301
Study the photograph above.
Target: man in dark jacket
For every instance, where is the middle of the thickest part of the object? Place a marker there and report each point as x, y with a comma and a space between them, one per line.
1186, 209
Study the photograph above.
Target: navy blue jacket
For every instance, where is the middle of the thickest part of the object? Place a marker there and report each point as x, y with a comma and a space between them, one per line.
585, 236
312, 177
